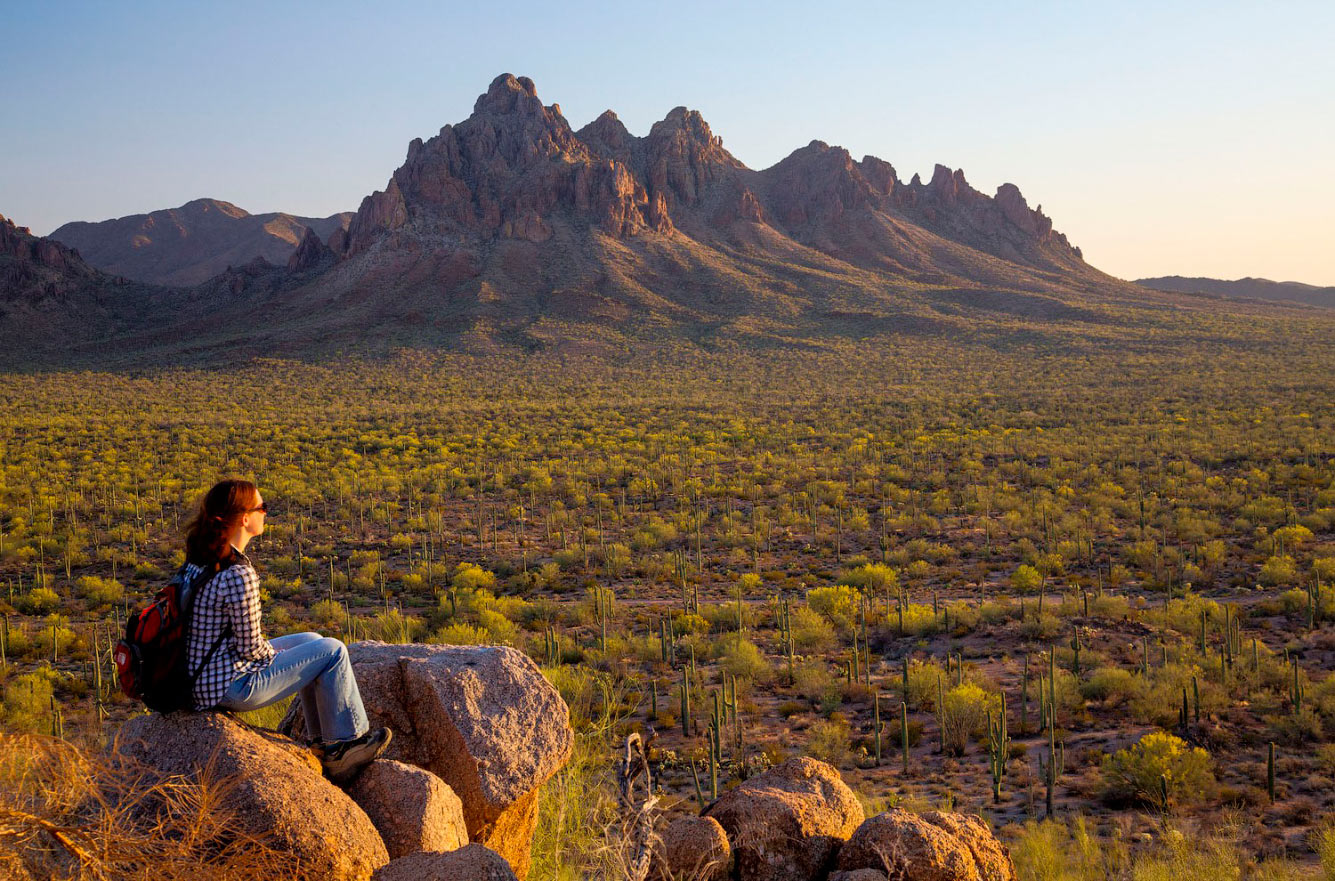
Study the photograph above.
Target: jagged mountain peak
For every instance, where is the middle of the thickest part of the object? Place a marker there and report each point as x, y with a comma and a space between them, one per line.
508, 94
608, 136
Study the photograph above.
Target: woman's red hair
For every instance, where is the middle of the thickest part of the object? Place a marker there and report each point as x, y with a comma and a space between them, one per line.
218, 513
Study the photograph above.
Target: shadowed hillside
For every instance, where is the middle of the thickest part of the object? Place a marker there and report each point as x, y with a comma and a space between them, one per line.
192, 243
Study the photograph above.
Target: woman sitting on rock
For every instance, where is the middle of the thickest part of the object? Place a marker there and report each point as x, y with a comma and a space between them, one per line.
237, 668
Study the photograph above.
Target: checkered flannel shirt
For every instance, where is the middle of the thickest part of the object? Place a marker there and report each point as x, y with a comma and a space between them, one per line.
229, 603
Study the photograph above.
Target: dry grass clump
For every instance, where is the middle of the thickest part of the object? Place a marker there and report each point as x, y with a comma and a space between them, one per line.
68, 814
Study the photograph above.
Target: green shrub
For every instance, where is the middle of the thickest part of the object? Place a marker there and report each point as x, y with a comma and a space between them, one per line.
964, 715
740, 657
1278, 570
811, 632
1133, 774
1026, 579
27, 701
500, 629
1160, 701
1188, 858
924, 679
919, 620
814, 682
963, 615
873, 578
100, 591
470, 576
327, 616
689, 623
395, 627
1053, 851
1112, 685
829, 741
38, 601
460, 633
836, 602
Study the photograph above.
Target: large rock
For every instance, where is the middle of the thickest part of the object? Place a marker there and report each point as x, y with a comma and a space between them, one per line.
413, 809
276, 788
483, 719
694, 848
788, 823
929, 847
471, 863
992, 857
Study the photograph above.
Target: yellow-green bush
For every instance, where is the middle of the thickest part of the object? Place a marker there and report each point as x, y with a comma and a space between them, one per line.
964, 715
470, 576
38, 601
829, 741
1113, 685
740, 657
811, 631
1134, 774
1053, 851
838, 603
27, 701
873, 578
924, 679
100, 591
460, 633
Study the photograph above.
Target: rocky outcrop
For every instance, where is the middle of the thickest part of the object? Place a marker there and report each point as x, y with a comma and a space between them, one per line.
275, 788
788, 823
471, 863
484, 720
504, 172
188, 245
413, 809
312, 255
934, 846
692, 847
682, 158
1004, 226
32, 267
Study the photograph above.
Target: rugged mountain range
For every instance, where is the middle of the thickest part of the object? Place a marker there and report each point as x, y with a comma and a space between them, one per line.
511, 229
1253, 288
191, 244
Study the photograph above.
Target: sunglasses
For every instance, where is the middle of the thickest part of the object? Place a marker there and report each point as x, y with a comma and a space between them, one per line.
262, 506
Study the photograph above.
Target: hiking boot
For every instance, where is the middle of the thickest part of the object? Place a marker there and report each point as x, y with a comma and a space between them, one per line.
342, 759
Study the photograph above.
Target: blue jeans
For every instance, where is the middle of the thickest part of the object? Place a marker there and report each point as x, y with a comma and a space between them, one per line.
318, 667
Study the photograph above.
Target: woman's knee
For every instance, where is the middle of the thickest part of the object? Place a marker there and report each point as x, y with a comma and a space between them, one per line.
292, 640
334, 647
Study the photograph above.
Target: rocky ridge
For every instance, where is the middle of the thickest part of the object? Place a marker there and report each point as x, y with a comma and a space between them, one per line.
511, 230
190, 244
1253, 288
515, 163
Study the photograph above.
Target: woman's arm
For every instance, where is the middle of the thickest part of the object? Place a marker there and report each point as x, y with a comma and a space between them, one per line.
244, 614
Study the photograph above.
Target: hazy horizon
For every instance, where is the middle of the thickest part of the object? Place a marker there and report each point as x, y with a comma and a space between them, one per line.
1192, 141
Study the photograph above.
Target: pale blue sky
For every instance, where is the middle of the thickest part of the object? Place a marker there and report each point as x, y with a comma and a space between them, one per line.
1163, 138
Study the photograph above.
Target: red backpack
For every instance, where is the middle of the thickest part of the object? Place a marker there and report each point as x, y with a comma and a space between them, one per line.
151, 659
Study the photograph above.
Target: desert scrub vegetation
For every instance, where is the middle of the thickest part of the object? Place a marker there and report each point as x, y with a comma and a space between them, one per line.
71, 813
1122, 538
1077, 850
1160, 769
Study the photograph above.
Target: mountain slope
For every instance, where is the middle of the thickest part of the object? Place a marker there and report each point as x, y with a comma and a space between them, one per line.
52, 302
190, 244
512, 231
1256, 288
